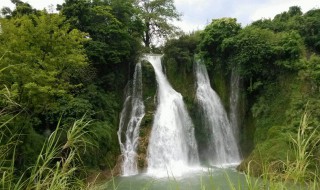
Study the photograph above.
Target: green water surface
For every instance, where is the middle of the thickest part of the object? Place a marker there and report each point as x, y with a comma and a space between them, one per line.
204, 179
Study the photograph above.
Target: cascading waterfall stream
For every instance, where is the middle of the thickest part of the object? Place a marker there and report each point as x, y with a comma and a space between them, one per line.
172, 145
130, 120
234, 103
220, 146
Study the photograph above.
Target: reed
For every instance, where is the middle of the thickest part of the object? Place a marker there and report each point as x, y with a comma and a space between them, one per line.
57, 164
297, 173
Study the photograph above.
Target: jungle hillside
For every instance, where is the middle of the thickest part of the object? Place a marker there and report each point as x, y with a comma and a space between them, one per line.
64, 74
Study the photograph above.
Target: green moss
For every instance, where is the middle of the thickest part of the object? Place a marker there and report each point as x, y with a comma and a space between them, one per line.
276, 115
269, 153
220, 82
181, 77
270, 142
149, 88
271, 107
247, 131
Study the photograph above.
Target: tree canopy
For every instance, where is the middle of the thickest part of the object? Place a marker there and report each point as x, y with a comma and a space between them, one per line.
156, 16
56, 68
115, 34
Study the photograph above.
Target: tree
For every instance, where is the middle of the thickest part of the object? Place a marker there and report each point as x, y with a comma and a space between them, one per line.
262, 54
310, 29
44, 70
213, 36
156, 16
182, 51
21, 9
47, 62
115, 32
295, 11
307, 25
6, 11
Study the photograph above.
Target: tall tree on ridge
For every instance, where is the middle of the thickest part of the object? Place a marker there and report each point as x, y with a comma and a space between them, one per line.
156, 15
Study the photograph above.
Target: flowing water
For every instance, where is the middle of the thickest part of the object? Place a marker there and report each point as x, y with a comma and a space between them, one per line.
220, 146
130, 119
172, 146
234, 103
173, 161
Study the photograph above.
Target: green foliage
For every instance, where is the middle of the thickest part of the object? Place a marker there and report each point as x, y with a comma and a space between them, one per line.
306, 24
178, 59
252, 49
312, 71
115, 32
213, 36
216, 56
261, 54
182, 50
310, 29
58, 67
285, 21
156, 16
45, 70
52, 162
279, 73
20, 10
277, 113
56, 165
294, 171
304, 145
44, 56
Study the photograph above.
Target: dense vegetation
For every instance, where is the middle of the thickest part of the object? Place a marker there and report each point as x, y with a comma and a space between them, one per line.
62, 77
57, 68
278, 62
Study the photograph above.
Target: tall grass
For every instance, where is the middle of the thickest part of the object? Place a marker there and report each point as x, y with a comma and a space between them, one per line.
304, 145
297, 173
57, 164
8, 148
55, 167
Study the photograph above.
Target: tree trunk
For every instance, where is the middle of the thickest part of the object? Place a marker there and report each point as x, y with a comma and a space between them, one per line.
146, 39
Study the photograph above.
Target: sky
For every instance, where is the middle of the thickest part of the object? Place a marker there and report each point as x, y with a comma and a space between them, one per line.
196, 14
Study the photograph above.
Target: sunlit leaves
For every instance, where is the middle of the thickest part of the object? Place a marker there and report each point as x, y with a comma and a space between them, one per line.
213, 36
156, 16
44, 55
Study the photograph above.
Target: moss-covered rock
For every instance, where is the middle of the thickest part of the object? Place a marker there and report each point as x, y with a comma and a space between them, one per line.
181, 77
149, 87
276, 116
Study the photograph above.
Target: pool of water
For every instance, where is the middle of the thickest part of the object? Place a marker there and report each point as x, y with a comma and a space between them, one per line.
209, 178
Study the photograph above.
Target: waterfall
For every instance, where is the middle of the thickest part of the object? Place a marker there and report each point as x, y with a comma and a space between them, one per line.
220, 144
234, 103
130, 119
172, 145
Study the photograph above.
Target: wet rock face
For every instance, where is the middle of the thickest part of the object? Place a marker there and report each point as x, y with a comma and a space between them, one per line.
117, 169
143, 147
149, 96
182, 80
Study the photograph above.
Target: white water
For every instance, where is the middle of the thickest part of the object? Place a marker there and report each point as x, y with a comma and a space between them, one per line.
172, 146
221, 148
130, 120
